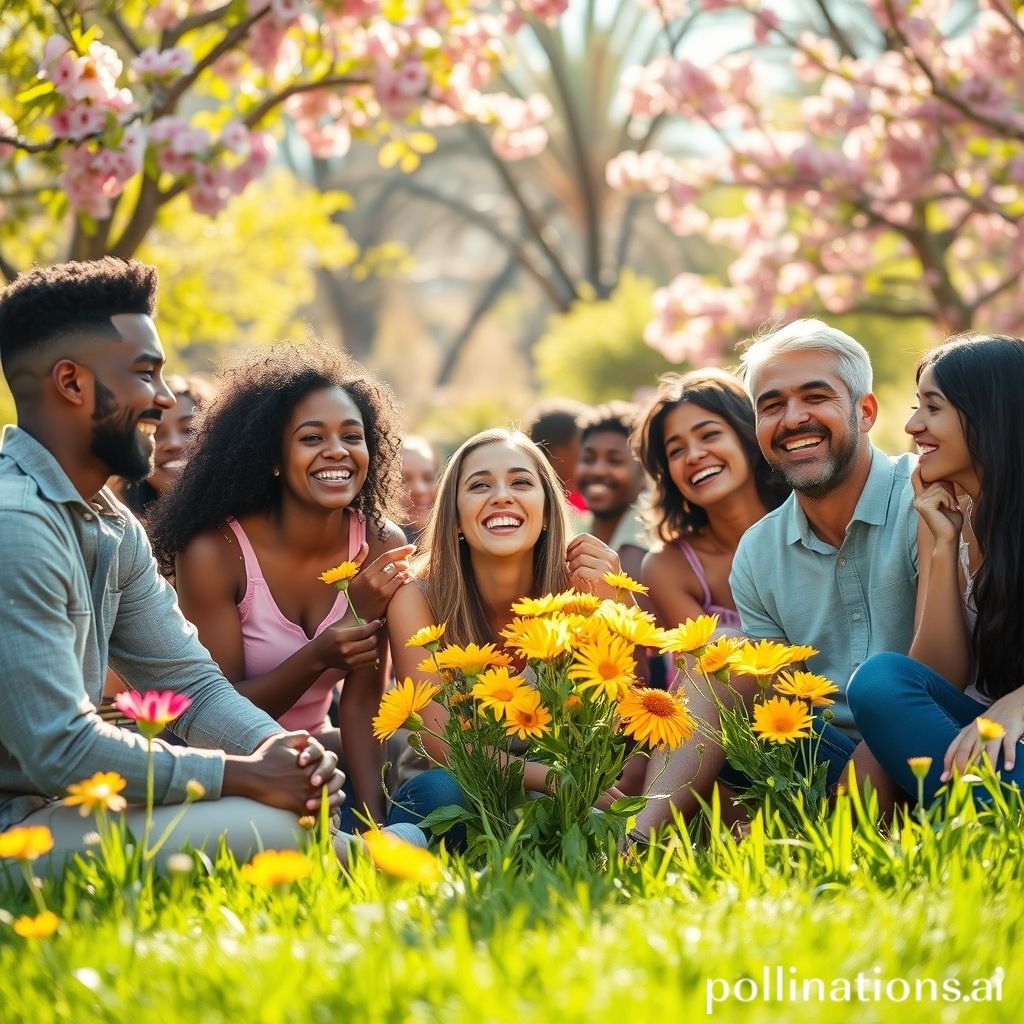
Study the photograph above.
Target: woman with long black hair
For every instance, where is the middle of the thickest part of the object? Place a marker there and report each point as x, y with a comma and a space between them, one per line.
967, 659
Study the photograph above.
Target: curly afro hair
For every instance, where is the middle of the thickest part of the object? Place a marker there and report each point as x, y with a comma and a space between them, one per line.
237, 440
48, 305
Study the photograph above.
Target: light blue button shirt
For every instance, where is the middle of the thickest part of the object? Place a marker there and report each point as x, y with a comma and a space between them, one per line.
848, 602
78, 588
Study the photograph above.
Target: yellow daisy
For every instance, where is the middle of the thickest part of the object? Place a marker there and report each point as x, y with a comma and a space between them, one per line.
470, 660
426, 636
399, 705
276, 867
807, 686
581, 604
781, 720
528, 719
718, 655
498, 691
690, 635
656, 718
101, 792
801, 652
761, 659
621, 581
38, 927
636, 626
396, 857
604, 665
920, 766
989, 730
340, 573
26, 842
538, 638
534, 606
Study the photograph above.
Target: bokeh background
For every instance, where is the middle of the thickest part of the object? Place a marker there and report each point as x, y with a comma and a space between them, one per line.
494, 202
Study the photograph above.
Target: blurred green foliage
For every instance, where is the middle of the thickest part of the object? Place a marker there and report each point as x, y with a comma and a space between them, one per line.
596, 351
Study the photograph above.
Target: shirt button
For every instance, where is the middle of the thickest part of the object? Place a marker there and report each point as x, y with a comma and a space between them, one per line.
856, 616
87, 515
842, 561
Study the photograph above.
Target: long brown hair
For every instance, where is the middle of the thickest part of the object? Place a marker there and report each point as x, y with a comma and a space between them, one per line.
721, 393
443, 562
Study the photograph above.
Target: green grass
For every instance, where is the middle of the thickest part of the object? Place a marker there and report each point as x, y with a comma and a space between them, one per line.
524, 941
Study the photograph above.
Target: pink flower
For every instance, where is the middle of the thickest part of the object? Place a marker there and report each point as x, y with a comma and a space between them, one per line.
152, 710
8, 128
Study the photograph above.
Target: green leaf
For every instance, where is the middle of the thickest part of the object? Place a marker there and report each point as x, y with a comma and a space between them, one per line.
628, 805
34, 92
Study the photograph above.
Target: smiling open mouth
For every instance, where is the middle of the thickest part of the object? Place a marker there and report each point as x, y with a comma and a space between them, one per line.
503, 521
333, 475
798, 444
705, 474
147, 427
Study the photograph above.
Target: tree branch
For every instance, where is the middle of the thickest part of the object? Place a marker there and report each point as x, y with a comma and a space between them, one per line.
170, 35
268, 103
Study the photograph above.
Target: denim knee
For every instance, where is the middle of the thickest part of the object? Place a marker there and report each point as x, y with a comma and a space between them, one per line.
872, 687
424, 793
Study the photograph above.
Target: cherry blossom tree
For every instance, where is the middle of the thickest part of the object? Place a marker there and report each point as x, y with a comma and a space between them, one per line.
113, 108
860, 159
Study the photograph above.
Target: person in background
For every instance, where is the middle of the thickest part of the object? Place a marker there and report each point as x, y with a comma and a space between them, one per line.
172, 435
553, 425
611, 480
419, 484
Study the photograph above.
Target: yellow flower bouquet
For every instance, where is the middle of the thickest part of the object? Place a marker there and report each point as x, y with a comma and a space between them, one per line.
562, 693
772, 741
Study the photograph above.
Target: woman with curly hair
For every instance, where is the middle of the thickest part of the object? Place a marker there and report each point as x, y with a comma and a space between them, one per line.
294, 468
696, 440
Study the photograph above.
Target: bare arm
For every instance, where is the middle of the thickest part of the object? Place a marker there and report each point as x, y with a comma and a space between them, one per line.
207, 592
671, 584
941, 640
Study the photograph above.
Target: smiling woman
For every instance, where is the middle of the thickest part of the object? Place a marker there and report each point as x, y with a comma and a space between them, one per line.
497, 534
294, 468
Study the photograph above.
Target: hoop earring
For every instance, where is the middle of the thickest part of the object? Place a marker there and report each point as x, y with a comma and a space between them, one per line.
277, 472
687, 509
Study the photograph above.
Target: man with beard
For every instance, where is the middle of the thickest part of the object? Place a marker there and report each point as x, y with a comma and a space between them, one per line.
79, 588
835, 566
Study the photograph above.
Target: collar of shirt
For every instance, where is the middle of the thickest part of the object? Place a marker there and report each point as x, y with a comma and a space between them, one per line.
37, 462
871, 507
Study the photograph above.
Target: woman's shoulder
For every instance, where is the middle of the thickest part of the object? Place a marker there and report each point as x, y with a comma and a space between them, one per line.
389, 536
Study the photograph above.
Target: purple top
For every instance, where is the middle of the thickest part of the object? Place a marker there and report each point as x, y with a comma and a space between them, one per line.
728, 618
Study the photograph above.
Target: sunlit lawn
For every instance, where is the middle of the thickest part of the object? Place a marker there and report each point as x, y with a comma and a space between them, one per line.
644, 938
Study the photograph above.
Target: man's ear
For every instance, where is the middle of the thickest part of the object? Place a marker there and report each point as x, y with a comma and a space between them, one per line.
71, 382
868, 409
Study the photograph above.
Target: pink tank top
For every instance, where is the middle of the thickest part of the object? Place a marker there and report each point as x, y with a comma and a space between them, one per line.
728, 618
268, 638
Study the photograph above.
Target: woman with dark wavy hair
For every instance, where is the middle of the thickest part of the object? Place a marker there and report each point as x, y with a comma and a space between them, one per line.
696, 440
293, 469
966, 660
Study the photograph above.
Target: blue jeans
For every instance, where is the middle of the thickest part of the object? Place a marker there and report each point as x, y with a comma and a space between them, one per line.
424, 793
835, 749
905, 709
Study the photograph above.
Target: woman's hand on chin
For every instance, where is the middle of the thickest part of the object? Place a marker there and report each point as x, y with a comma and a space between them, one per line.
937, 505
588, 559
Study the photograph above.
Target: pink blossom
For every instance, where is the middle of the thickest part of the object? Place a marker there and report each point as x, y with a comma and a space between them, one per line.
765, 22
63, 73
56, 46
152, 708
153, 63
10, 129
189, 141
548, 11
284, 12
235, 136
84, 119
